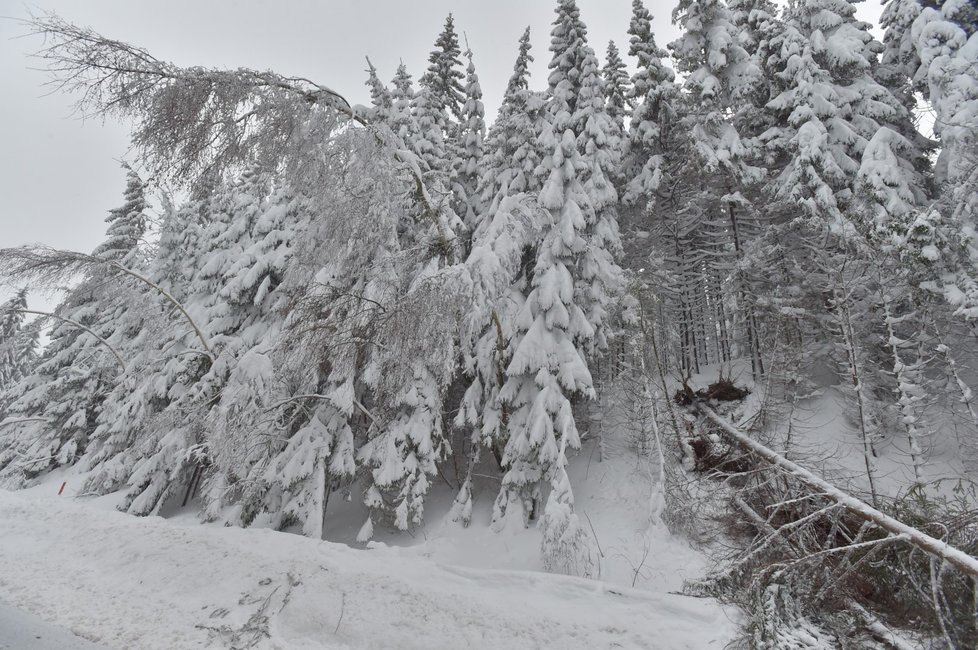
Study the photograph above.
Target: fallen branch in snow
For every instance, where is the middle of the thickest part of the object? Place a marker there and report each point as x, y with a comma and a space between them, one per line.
931, 545
342, 609
774, 536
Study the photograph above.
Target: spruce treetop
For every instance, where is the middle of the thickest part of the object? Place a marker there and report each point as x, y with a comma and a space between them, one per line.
520, 79
720, 69
568, 44
127, 223
380, 95
444, 76
616, 85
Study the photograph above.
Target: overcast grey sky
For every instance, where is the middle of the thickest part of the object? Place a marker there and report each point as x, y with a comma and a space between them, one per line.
59, 176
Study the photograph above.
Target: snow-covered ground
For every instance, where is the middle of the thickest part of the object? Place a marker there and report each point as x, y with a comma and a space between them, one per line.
127, 582
20, 630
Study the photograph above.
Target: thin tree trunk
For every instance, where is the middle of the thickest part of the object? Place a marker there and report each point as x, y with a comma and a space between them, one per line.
905, 400
855, 373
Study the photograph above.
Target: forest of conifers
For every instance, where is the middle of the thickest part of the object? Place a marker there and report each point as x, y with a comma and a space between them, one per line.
358, 302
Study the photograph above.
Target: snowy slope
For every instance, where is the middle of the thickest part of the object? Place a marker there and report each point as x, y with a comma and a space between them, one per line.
148, 583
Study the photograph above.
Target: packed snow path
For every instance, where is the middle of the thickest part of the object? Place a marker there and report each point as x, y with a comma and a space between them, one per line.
127, 582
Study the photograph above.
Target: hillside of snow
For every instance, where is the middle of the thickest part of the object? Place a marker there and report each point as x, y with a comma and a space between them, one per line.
128, 582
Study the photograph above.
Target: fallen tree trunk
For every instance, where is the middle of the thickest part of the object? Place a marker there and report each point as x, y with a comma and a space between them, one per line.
931, 545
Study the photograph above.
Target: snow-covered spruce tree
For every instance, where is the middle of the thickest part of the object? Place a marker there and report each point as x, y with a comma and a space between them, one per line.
256, 302
757, 24
599, 276
711, 218
891, 189
512, 153
345, 277
409, 381
948, 54
503, 244
127, 225
18, 355
898, 68
405, 436
499, 266
562, 318
428, 142
403, 447
401, 317
445, 74
61, 399
616, 87
655, 98
432, 138
934, 50
165, 359
18, 343
471, 146
401, 122
236, 296
155, 458
827, 105
418, 124
380, 97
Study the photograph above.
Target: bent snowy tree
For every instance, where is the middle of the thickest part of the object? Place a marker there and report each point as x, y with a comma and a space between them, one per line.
318, 226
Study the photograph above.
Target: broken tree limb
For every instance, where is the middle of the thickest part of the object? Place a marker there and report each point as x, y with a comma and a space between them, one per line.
931, 545
774, 536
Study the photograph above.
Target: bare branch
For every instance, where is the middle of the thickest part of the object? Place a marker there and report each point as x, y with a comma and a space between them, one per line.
176, 303
9, 421
196, 124
76, 324
51, 266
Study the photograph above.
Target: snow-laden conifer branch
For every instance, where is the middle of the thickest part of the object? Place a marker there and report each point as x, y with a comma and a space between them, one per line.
932, 546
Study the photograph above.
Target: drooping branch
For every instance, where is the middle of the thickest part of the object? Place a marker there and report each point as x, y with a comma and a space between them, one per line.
176, 303
50, 266
188, 120
76, 324
195, 124
9, 421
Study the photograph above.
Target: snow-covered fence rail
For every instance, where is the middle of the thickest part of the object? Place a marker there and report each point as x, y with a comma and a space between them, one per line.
964, 562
